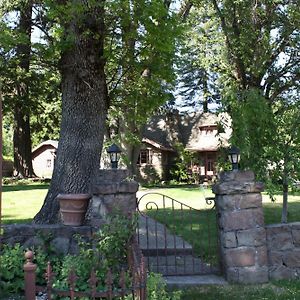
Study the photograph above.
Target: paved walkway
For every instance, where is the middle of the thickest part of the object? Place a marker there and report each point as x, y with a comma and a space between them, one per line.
167, 253
155, 236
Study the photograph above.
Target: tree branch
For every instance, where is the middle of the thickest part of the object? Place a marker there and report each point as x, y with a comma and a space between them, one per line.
185, 9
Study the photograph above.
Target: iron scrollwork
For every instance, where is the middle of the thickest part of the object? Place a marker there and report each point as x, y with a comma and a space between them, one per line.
210, 201
151, 205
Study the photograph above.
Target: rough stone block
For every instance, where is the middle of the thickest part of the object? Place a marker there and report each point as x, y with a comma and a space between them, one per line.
279, 239
275, 229
251, 237
292, 258
73, 248
227, 202
34, 242
128, 187
262, 256
253, 275
236, 187
282, 272
105, 188
232, 275
229, 240
109, 199
243, 219
113, 175
253, 200
85, 231
240, 257
237, 175
275, 258
296, 236
60, 245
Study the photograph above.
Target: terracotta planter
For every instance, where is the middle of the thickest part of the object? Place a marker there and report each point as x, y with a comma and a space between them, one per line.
73, 208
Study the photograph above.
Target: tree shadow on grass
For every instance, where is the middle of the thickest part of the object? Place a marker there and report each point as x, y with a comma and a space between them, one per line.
272, 212
15, 188
12, 219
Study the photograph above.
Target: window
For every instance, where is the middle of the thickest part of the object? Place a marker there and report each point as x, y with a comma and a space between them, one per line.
210, 158
144, 157
208, 130
210, 165
48, 163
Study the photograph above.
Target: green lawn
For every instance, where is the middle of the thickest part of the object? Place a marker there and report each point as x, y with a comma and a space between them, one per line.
279, 290
20, 203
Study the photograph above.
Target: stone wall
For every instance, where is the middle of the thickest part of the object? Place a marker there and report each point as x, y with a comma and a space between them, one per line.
113, 191
60, 238
241, 227
283, 242
250, 251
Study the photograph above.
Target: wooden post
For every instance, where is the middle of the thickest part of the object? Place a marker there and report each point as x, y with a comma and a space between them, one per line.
29, 276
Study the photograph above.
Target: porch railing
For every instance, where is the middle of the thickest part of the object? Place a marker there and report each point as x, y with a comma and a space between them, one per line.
137, 287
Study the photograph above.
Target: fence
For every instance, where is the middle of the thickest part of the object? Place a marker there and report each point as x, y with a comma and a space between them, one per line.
137, 287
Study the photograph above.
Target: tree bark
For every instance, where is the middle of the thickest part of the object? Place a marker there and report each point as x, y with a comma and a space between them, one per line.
84, 108
22, 136
285, 187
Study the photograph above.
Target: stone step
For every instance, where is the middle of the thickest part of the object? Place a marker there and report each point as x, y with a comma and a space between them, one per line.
179, 264
154, 236
181, 282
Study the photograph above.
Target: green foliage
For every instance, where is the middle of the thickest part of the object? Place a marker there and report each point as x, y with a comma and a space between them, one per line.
201, 49
7, 138
182, 168
11, 269
140, 51
107, 250
156, 289
252, 124
113, 239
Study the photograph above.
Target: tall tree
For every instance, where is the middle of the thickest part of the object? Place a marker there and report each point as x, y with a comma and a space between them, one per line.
262, 57
28, 70
20, 61
200, 51
143, 40
84, 101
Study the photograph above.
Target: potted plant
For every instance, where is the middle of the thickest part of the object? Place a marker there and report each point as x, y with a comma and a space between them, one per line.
73, 208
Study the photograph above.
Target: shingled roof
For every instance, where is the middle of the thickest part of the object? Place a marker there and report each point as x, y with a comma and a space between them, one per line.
168, 129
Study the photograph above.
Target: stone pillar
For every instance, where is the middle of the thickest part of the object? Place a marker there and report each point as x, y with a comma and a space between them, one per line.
241, 227
113, 191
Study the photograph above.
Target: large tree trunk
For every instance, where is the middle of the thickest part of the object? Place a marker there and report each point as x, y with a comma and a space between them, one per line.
22, 136
84, 108
285, 191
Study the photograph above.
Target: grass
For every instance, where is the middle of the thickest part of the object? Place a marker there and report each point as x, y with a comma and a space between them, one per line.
277, 290
20, 203
197, 227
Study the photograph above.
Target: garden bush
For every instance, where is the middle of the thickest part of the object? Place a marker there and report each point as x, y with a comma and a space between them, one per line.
107, 250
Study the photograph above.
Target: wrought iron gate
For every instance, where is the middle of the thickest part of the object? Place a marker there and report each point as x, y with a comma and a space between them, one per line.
175, 238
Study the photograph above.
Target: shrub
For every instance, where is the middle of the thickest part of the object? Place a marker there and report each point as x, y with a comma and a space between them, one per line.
107, 250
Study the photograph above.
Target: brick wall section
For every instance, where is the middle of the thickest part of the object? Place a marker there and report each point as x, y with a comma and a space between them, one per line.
241, 227
283, 242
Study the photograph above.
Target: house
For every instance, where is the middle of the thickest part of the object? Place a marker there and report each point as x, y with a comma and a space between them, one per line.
199, 133
43, 157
